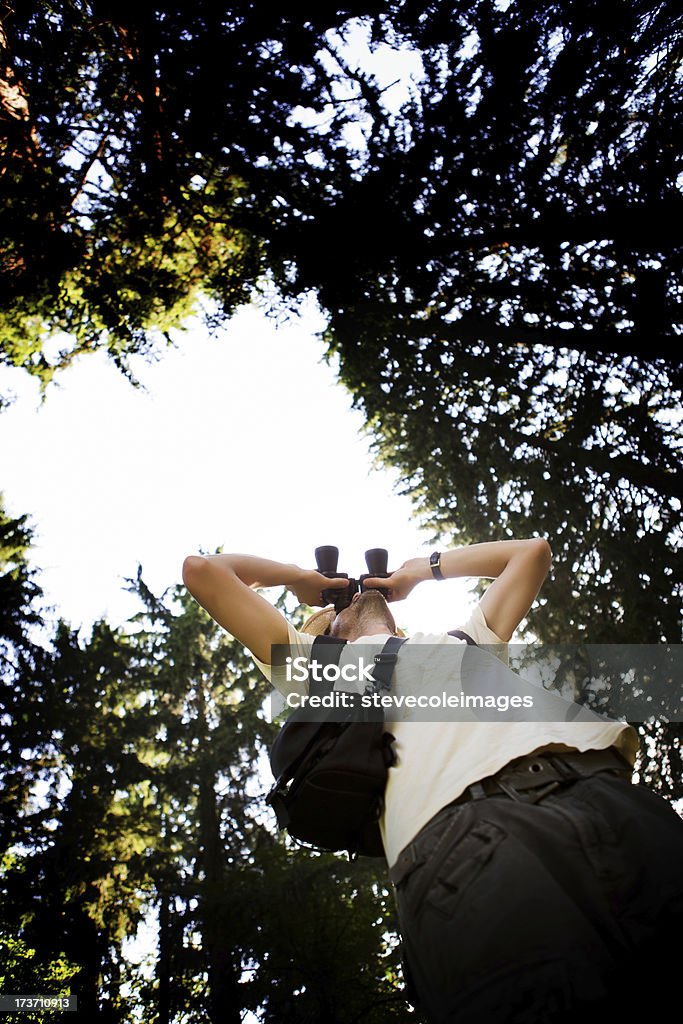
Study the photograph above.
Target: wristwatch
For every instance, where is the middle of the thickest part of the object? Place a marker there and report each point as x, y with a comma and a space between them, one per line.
435, 565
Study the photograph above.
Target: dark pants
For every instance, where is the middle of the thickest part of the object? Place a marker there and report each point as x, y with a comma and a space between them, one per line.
544, 913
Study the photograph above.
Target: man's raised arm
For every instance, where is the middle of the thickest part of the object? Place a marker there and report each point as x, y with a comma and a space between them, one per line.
223, 585
517, 567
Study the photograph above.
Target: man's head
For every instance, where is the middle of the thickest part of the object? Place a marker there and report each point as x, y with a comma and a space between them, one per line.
367, 615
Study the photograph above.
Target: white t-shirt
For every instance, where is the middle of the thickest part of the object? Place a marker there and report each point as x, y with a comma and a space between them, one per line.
437, 760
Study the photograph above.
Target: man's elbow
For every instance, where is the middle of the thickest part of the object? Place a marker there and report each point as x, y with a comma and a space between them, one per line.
194, 571
542, 551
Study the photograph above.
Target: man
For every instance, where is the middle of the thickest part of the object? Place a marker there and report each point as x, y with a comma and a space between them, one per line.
534, 882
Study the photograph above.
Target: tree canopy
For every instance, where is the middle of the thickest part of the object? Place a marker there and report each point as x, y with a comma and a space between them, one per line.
515, 345
144, 151
519, 188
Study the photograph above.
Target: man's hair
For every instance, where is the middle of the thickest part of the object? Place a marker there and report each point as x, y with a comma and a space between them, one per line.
319, 623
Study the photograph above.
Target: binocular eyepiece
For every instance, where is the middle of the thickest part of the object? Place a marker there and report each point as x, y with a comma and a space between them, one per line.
326, 559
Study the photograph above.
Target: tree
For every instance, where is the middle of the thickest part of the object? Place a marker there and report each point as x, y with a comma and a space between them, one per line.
514, 344
329, 945
140, 799
74, 840
25, 713
144, 154
531, 197
255, 925
529, 165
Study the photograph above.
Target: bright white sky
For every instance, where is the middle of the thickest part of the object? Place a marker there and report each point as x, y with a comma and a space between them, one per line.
244, 440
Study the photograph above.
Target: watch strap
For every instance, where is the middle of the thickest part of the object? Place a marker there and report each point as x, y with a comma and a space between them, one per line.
435, 565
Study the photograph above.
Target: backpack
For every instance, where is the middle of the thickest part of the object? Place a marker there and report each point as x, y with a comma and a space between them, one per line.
331, 773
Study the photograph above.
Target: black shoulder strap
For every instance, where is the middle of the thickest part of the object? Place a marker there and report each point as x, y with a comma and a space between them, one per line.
329, 642
385, 662
326, 650
462, 635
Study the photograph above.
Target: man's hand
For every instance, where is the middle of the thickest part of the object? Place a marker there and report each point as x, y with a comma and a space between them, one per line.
309, 586
517, 567
401, 581
225, 585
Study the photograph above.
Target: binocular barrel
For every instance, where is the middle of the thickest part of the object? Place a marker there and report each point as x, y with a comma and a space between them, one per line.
327, 559
376, 560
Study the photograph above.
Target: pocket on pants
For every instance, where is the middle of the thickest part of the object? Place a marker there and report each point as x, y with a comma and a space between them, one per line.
462, 865
451, 865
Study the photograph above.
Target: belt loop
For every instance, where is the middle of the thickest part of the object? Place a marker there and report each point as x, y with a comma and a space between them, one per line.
532, 796
566, 770
476, 791
407, 860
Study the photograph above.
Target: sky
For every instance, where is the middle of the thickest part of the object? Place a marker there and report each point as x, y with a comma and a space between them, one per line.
244, 441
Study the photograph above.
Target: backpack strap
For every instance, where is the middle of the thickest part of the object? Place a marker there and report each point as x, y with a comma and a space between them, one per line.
384, 664
462, 635
326, 650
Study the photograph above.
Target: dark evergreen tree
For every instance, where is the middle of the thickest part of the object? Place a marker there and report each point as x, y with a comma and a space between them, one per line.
523, 193
29, 754
145, 151
229, 891
139, 799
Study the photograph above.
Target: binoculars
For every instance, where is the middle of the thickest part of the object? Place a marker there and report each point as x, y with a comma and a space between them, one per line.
326, 559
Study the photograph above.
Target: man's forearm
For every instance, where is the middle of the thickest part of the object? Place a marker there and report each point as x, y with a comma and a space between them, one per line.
208, 574
487, 560
517, 567
256, 571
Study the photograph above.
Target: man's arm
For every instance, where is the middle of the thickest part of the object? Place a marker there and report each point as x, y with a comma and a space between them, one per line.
223, 585
517, 567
